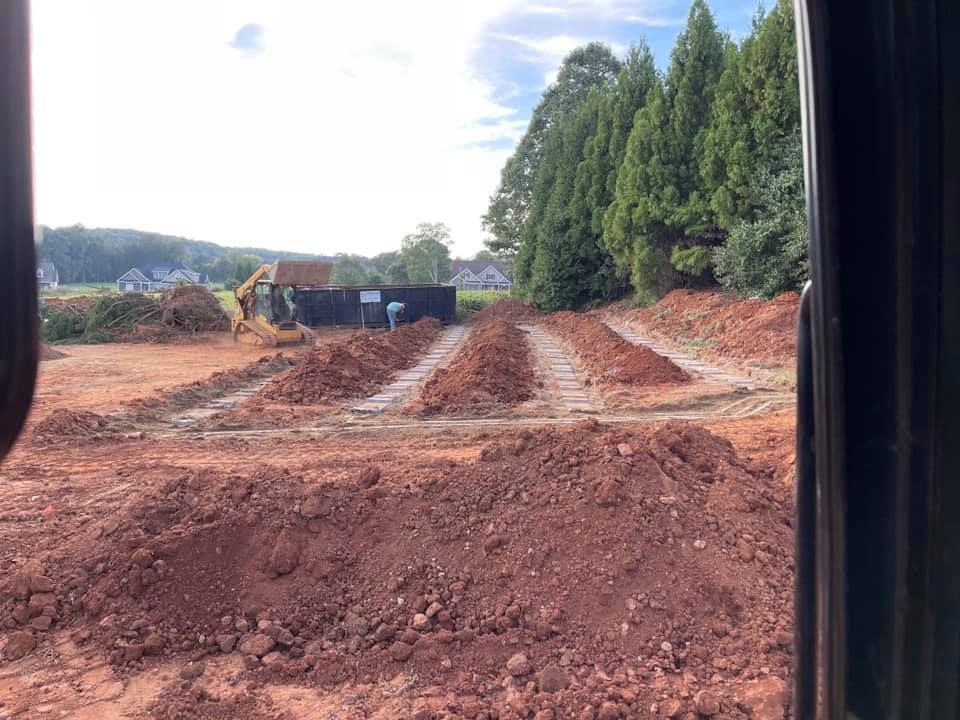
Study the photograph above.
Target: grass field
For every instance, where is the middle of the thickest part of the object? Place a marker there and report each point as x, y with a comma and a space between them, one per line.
78, 289
471, 301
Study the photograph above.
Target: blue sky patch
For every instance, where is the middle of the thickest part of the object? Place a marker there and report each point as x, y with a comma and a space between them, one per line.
249, 40
520, 53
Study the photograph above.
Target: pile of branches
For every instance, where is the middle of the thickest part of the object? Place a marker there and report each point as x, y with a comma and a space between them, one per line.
135, 317
192, 308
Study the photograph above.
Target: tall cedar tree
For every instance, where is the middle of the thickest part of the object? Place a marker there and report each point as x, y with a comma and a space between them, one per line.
566, 265
660, 201
511, 204
757, 107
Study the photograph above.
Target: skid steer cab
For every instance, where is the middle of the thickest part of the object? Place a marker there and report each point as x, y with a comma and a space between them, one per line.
265, 311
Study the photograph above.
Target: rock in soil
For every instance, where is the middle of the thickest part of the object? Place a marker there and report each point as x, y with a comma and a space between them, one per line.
518, 665
19, 644
554, 678
257, 644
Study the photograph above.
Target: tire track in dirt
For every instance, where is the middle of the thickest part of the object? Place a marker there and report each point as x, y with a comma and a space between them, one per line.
438, 355
686, 362
572, 394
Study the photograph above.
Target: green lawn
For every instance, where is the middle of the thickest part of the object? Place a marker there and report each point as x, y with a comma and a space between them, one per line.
225, 297
78, 289
471, 301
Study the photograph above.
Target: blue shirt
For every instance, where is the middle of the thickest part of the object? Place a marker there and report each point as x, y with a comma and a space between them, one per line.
394, 307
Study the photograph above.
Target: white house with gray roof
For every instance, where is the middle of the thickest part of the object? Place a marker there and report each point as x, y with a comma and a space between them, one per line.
491, 276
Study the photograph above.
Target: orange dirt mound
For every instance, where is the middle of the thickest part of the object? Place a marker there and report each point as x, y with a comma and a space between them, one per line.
192, 394
70, 422
509, 310
608, 358
629, 558
492, 372
354, 368
728, 325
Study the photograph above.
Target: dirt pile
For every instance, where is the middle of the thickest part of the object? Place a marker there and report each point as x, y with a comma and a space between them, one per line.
49, 353
509, 310
354, 368
726, 324
608, 358
492, 372
192, 394
77, 423
564, 568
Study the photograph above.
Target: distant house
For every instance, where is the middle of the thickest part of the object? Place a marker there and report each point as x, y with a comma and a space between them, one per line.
47, 276
158, 276
483, 275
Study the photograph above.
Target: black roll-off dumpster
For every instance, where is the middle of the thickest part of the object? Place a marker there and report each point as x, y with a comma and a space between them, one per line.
366, 305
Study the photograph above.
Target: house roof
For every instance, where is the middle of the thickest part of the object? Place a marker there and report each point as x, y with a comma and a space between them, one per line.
477, 267
134, 275
49, 271
144, 273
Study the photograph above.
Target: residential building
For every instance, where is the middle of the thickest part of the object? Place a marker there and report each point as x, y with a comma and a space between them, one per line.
491, 275
47, 276
158, 276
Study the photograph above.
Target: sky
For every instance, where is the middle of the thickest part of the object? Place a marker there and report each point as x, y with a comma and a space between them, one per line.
303, 125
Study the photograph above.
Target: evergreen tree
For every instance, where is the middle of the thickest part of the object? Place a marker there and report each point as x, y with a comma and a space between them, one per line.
757, 106
567, 263
768, 254
512, 203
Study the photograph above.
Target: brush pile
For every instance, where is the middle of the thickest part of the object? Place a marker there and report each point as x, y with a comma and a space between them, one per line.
136, 317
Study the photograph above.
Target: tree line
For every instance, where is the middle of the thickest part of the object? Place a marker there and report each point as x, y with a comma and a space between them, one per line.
90, 255
629, 178
423, 257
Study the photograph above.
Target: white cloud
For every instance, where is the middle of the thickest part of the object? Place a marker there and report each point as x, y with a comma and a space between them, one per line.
352, 125
654, 21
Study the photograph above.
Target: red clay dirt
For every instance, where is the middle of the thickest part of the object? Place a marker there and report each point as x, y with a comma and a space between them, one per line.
563, 569
509, 310
482, 378
608, 358
355, 368
70, 422
730, 326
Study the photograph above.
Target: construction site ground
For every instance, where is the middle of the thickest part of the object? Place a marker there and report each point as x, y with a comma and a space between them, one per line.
506, 524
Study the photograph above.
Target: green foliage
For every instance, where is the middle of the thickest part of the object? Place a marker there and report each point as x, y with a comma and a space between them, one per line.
768, 254
397, 273
473, 301
349, 270
91, 255
244, 266
757, 106
60, 323
510, 206
425, 254
693, 260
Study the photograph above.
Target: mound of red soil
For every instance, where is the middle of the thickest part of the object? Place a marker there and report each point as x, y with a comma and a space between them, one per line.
564, 568
70, 422
192, 394
354, 368
492, 372
608, 358
726, 324
49, 353
509, 310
